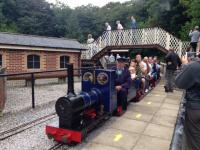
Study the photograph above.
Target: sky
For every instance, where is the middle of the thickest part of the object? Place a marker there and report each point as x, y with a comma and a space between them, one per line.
75, 3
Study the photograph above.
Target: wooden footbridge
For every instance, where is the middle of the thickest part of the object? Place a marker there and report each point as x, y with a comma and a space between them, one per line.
138, 38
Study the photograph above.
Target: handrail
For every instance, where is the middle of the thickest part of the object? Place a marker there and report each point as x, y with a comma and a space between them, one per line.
39, 72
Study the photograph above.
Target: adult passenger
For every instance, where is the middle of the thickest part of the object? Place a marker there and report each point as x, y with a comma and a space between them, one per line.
195, 35
189, 79
140, 72
122, 83
173, 61
112, 58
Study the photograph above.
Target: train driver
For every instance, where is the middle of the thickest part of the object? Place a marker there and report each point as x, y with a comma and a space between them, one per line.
122, 83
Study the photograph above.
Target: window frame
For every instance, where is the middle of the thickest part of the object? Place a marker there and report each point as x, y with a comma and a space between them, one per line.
63, 63
34, 62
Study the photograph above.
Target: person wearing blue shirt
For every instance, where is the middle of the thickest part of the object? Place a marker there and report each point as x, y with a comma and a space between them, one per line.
133, 23
133, 27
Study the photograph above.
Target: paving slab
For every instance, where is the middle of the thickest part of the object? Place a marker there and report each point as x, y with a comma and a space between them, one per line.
170, 106
151, 143
159, 131
172, 101
148, 103
115, 138
164, 120
94, 146
129, 125
167, 112
154, 98
144, 109
138, 116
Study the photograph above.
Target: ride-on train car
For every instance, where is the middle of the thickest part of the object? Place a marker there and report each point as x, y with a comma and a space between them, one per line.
80, 113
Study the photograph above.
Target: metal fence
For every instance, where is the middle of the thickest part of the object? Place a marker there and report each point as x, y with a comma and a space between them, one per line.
26, 90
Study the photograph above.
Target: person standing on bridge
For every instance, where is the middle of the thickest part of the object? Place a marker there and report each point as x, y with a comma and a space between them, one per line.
108, 32
173, 61
133, 27
91, 46
189, 79
119, 33
195, 35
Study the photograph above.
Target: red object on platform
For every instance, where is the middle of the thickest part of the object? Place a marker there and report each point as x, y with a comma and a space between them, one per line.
119, 111
63, 135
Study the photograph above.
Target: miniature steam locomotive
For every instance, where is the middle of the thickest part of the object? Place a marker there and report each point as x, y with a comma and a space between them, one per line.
80, 113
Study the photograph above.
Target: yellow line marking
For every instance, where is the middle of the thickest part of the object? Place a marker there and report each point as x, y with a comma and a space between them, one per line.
149, 103
138, 116
117, 137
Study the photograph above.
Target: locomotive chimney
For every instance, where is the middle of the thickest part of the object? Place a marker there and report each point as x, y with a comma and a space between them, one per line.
70, 74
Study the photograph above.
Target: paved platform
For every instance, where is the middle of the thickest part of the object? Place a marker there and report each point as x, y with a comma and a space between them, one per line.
147, 125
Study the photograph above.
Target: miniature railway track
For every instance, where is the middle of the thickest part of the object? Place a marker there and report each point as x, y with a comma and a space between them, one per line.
21, 128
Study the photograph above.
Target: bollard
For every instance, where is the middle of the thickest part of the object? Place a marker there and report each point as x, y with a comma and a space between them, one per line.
2, 91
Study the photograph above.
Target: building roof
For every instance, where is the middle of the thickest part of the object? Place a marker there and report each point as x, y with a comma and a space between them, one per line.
39, 41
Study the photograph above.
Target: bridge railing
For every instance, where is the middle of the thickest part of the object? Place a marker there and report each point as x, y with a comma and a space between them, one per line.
145, 36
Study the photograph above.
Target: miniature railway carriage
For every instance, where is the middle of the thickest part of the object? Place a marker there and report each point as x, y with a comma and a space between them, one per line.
80, 113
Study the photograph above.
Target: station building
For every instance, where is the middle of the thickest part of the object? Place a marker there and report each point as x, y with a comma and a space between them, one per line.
28, 53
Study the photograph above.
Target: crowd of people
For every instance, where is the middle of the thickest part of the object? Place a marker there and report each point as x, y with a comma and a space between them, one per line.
119, 27
144, 72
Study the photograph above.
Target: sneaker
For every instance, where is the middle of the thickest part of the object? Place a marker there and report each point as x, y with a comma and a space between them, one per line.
146, 90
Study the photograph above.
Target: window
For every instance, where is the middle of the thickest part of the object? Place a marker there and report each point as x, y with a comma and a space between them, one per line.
33, 62
64, 60
1, 61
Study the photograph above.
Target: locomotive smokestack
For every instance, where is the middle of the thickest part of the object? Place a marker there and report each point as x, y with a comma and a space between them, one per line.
70, 74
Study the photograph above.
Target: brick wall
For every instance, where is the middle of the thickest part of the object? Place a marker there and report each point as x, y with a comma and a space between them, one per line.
16, 60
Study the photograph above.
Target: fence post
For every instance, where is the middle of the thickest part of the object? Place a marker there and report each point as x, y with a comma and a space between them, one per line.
33, 89
2, 91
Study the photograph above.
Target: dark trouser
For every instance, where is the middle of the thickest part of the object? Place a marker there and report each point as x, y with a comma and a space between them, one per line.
192, 129
194, 46
122, 98
169, 79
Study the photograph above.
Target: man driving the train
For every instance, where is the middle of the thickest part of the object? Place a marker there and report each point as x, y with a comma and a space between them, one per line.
122, 83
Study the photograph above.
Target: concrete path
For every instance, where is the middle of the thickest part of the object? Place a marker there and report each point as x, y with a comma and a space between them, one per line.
147, 125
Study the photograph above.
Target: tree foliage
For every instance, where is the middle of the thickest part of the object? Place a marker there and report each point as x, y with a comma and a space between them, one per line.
41, 18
